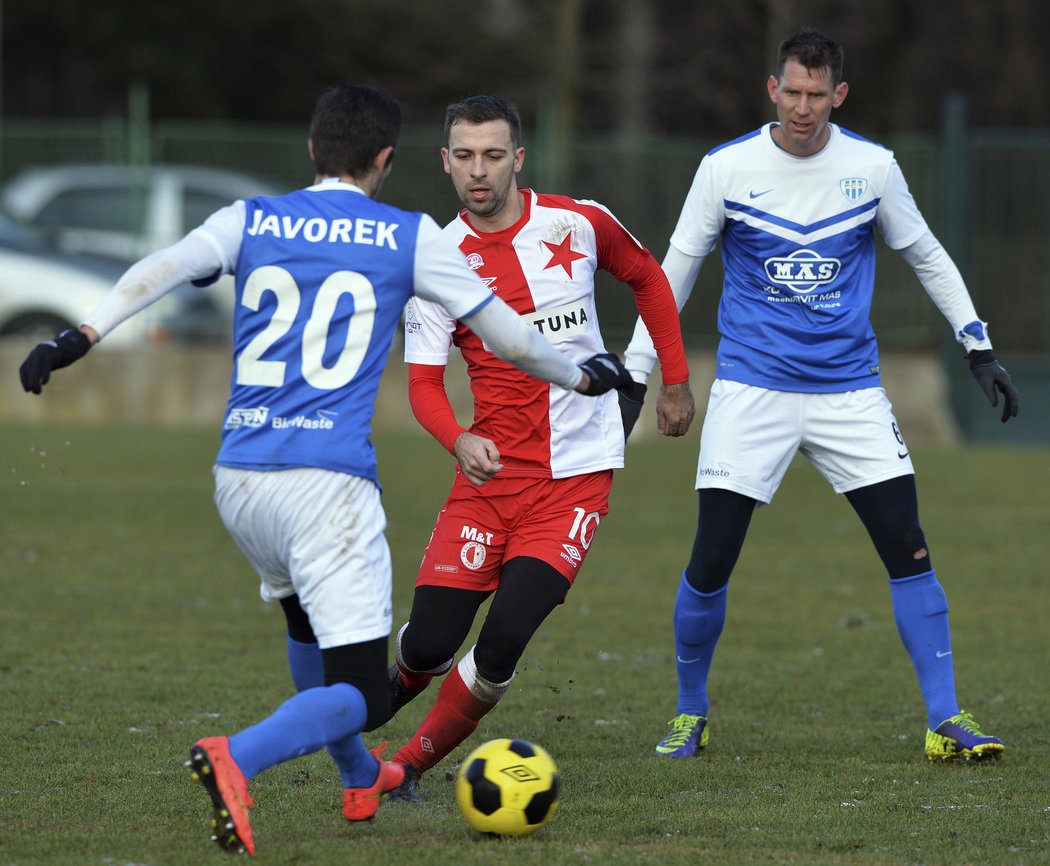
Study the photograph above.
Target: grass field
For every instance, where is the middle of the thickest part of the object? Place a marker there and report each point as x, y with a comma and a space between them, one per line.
130, 626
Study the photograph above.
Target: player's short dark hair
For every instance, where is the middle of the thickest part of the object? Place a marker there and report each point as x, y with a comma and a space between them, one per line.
480, 109
350, 125
813, 50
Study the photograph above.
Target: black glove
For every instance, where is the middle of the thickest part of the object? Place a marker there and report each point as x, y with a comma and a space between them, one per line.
606, 372
631, 400
69, 346
992, 377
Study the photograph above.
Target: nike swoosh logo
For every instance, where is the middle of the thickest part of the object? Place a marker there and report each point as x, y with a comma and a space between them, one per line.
754, 194
941, 655
902, 456
687, 661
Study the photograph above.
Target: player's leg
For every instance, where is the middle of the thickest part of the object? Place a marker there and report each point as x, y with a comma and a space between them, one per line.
331, 716
855, 442
342, 578
439, 622
748, 440
700, 610
304, 653
460, 568
889, 511
529, 590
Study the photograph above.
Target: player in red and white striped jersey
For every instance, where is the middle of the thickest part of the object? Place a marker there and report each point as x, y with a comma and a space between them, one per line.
535, 468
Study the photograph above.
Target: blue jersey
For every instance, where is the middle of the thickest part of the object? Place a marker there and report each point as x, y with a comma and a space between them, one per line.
798, 252
322, 275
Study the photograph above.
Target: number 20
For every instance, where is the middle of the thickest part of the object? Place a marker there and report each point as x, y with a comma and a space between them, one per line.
253, 370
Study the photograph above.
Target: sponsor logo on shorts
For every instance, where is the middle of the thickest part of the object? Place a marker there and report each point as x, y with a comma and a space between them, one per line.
573, 552
714, 473
254, 416
472, 533
472, 555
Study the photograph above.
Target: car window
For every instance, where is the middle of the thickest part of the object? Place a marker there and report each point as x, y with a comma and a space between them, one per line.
198, 205
109, 208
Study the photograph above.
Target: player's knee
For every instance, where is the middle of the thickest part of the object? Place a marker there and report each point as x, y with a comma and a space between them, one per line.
364, 667
710, 571
423, 648
496, 660
904, 553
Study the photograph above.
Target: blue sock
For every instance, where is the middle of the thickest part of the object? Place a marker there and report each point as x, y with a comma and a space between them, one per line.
303, 724
356, 765
698, 621
306, 664
921, 610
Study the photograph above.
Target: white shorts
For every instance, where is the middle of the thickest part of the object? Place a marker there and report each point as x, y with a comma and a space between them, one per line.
316, 534
750, 436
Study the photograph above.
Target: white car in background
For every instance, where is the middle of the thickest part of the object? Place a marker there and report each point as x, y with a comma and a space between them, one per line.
123, 212
43, 291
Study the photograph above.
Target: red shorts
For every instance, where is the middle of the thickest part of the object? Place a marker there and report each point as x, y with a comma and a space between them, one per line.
480, 528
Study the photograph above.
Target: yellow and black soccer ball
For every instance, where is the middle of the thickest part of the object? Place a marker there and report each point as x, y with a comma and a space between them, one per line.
507, 788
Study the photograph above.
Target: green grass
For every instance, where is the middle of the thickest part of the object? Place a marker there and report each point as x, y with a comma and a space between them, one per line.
130, 626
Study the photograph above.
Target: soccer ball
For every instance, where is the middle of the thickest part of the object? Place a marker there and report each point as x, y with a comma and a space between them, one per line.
507, 788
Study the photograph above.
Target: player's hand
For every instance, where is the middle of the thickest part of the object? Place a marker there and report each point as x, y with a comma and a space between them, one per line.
54, 354
478, 457
993, 379
675, 409
631, 400
602, 373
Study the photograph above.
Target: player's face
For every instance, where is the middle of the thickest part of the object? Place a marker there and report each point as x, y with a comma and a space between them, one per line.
804, 99
483, 164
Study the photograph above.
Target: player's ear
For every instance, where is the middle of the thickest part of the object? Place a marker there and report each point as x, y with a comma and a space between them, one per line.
384, 161
444, 160
771, 87
519, 159
840, 94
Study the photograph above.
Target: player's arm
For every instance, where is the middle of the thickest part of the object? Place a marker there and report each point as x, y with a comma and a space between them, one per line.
675, 407
696, 234
442, 276
944, 284
478, 456
195, 257
680, 271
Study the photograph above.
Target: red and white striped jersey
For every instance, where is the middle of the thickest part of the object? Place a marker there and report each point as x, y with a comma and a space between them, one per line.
543, 267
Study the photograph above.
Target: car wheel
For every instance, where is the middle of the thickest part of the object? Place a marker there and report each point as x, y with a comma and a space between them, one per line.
34, 326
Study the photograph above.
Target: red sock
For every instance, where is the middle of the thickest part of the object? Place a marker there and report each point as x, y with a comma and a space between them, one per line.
452, 719
415, 681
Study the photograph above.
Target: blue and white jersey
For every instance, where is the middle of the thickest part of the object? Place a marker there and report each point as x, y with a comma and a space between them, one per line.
322, 276
798, 252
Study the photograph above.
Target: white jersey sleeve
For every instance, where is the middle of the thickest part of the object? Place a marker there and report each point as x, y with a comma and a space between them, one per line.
201, 255
898, 218
428, 332
456, 292
944, 284
442, 276
703, 215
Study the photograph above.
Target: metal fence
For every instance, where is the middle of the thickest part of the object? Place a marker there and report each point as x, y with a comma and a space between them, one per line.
985, 193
